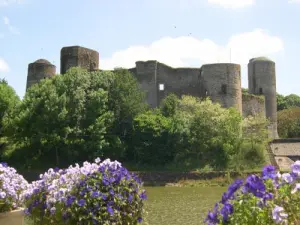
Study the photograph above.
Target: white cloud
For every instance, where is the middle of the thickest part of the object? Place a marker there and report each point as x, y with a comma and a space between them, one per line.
11, 28
294, 1
234, 4
8, 2
184, 51
3, 66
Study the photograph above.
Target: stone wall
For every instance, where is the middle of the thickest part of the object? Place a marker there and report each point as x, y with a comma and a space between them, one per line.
74, 56
39, 70
180, 81
145, 73
222, 82
253, 105
262, 81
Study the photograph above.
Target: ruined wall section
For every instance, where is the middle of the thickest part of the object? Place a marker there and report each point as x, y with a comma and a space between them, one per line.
76, 56
253, 105
39, 70
146, 75
262, 81
179, 81
222, 83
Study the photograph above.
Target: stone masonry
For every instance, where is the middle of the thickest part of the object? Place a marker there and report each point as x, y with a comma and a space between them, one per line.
220, 81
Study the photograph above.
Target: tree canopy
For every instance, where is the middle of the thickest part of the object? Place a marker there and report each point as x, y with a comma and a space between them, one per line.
73, 117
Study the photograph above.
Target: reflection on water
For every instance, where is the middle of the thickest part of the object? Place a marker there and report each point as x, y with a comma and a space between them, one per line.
180, 205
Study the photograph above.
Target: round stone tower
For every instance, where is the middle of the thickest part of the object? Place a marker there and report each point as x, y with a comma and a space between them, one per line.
38, 70
222, 83
77, 56
262, 81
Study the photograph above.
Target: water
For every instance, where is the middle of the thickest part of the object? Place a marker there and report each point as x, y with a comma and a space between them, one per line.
180, 205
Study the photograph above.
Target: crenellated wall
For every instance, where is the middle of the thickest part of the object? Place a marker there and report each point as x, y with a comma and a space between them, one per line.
180, 81
220, 81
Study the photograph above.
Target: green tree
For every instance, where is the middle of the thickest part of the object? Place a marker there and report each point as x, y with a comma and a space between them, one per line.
281, 103
292, 100
286, 102
63, 119
169, 105
153, 139
213, 131
8, 100
126, 100
289, 123
251, 153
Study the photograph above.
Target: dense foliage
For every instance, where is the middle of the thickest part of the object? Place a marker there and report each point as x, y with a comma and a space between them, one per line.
289, 123
96, 193
74, 117
193, 133
272, 198
64, 118
12, 186
81, 115
286, 102
8, 100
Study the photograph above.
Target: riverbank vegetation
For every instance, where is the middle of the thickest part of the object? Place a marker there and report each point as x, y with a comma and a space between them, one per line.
82, 115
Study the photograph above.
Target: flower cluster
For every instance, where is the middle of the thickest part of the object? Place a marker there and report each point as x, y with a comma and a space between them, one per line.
96, 193
12, 186
272, 198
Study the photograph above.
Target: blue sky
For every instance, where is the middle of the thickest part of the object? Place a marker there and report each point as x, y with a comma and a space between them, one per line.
175, 32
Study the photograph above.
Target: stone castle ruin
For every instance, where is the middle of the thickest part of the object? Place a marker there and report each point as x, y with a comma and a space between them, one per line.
220, 81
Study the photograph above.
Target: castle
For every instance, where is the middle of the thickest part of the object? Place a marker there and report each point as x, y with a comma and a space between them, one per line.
220, 81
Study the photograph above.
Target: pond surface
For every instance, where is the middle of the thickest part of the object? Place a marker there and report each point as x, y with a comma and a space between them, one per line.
180, 205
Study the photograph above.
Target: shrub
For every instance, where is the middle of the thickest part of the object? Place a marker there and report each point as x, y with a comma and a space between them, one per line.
272, 198
289, 123
96, 193
12, 186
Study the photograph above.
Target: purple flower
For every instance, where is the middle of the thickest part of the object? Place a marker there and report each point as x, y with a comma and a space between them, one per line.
287, 178
266, 197
254, 185
226, 210
296, 167
12, 187
4, 164
278, 214
110, 210
143, 195
269, 172
231, 190
81, 202
52, 210
212, 217
96, 188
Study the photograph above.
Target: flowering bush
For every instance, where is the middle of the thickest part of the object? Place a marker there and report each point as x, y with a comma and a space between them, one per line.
12, 186
272, 198
96, 193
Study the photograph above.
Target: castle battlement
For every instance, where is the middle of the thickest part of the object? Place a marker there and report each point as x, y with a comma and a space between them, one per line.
219, 81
